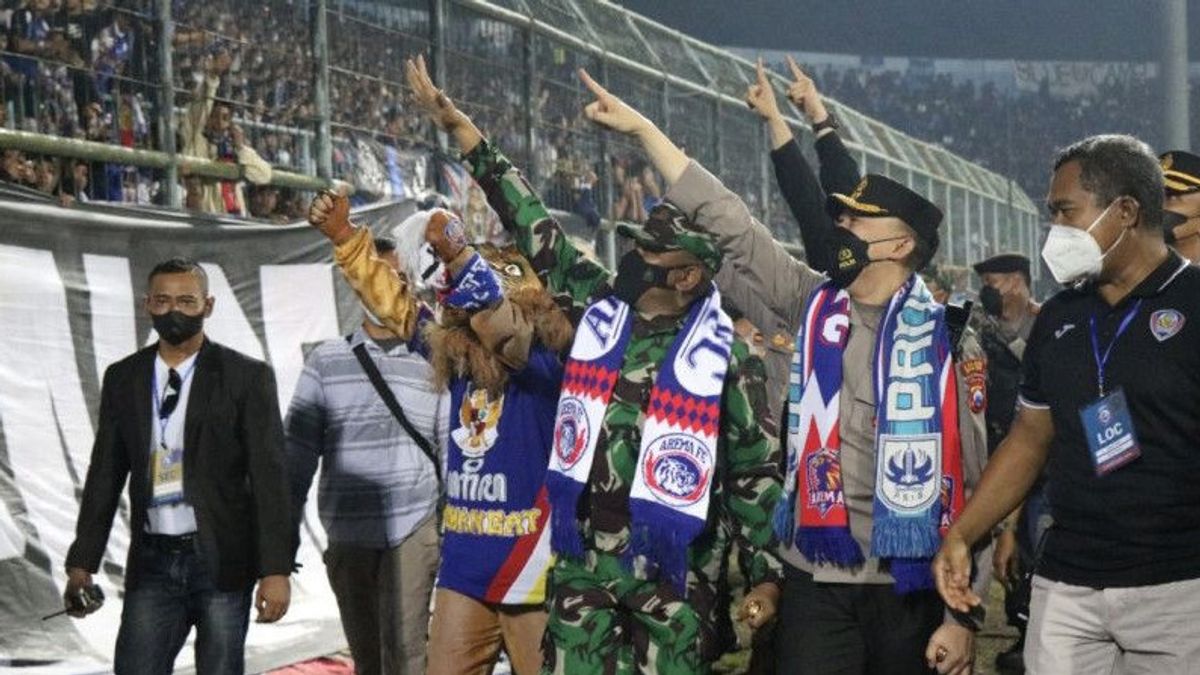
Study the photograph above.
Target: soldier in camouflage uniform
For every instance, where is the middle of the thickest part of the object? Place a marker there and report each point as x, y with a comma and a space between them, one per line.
607, 615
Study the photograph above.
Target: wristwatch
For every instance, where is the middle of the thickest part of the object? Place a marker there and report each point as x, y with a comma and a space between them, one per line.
830, 122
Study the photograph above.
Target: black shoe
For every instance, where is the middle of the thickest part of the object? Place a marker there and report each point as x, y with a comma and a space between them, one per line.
1012, 660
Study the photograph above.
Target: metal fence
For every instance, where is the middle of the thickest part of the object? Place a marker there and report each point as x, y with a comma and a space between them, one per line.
309, 79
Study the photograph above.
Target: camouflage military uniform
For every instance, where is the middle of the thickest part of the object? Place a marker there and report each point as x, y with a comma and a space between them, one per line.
605, 617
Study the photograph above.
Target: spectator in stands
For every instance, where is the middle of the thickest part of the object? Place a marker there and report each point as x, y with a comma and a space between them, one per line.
585, 200
13, 167
29, 33
651, 192
264, 203
74, 187
47, 173
209, 132
630, 206
111, 50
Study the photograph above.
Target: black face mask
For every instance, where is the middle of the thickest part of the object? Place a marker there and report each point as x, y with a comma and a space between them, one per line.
1172, 220
635, 276
850, 255
992, 301
176, 327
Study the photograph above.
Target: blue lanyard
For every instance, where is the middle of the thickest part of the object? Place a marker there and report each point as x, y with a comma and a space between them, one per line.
1101, 361
163, 421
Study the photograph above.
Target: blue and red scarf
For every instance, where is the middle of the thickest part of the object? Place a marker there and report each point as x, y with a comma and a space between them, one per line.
918, 478
668, 501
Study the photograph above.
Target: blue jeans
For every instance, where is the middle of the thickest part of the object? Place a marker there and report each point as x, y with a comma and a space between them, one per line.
174, 593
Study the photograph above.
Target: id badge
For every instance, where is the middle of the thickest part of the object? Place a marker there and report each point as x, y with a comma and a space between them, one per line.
166, 475
1111, 438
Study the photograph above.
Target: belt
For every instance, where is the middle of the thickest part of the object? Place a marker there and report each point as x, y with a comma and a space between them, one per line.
172, 543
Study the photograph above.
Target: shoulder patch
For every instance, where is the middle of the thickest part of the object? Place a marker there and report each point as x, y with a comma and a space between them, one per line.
974, 374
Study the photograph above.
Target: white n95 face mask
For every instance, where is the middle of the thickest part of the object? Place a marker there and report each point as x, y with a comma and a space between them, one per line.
1072, 254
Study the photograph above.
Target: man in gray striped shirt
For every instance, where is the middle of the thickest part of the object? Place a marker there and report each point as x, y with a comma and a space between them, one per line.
378, 492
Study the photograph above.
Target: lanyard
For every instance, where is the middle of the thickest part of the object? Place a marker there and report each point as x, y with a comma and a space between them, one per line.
163, 421
1101, 361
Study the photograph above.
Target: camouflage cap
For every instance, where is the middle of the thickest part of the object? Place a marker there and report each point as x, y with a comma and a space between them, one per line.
668, 228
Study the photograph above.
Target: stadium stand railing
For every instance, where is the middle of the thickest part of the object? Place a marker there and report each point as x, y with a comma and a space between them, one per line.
313, 82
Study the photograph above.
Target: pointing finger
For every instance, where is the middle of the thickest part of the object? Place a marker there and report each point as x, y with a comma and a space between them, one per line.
592, 85
797, 74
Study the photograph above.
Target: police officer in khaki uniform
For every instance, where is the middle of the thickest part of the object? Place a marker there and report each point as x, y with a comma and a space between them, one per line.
1004, 323
1181, 222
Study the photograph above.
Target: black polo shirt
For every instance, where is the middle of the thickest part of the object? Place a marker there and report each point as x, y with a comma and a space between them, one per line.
1140, 524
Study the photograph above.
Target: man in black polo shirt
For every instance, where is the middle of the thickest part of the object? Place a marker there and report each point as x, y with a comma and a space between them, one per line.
1111, 399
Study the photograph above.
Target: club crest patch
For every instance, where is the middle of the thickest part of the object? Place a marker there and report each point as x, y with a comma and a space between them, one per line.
678, 468
910, 473
1165, 323
570, 433
824, 474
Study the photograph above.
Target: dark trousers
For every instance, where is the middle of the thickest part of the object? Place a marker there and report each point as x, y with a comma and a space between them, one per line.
174, 593
846, 629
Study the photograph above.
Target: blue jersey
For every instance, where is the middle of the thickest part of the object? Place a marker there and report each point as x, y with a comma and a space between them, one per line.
496, 542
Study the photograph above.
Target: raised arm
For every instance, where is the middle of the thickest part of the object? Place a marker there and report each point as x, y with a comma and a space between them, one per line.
839, 172
570, 276
381, 288
779, 282
805, 196
797, 183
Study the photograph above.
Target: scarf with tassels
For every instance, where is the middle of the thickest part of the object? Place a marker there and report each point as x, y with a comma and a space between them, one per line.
678, 453
918, 477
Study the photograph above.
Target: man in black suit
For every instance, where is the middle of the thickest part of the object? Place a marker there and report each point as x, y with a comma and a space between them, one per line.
196, 428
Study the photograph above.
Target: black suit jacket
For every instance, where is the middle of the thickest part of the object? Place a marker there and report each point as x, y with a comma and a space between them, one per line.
233, 470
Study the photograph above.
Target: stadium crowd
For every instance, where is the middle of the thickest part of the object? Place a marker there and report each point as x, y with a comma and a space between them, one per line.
1003, 132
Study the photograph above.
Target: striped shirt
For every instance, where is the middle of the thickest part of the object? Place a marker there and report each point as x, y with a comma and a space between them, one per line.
376, 484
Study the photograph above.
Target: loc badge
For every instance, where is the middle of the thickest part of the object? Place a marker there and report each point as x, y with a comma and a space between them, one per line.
1111, 438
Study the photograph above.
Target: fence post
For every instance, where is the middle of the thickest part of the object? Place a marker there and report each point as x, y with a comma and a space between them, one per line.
320, 45
716, 135
537, 173
609, 233
666, 104
764, 175
166, 102
437, 59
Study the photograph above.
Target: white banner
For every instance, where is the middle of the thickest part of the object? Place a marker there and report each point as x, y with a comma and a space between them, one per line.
71, 285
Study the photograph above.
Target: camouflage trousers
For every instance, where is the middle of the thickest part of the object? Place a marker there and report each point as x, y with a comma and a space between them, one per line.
604, 621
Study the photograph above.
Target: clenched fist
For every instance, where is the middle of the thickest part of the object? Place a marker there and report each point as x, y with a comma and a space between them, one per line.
330, 213
445, 234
